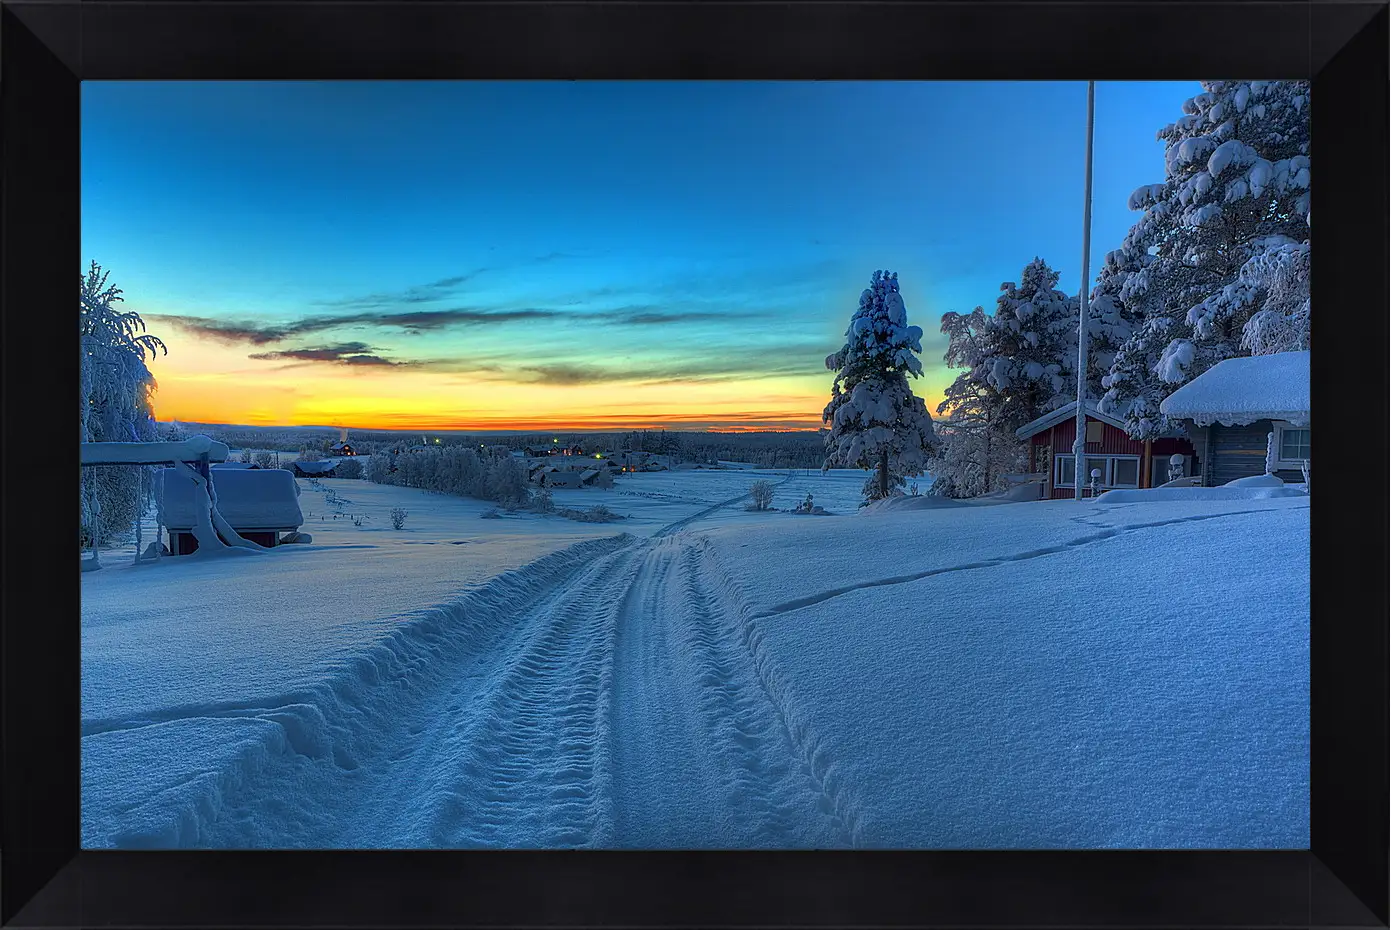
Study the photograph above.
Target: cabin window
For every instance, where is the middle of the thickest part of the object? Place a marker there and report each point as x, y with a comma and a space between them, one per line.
1065, 474
1094, 430
1294, 444
1117, 471
1125, 473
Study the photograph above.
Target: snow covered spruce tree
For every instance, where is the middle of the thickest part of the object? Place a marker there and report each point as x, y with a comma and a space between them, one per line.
115, 400
1018, 364
1213, 266
875, 421
1033, 345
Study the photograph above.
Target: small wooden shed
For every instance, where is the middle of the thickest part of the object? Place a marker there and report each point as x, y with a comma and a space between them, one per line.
1123, 462
260, 504
1248, 416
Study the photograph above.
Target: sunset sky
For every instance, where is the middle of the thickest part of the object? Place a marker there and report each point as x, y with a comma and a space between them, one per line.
513, 255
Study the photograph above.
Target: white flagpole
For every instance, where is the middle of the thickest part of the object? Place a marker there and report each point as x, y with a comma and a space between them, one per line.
1079, 444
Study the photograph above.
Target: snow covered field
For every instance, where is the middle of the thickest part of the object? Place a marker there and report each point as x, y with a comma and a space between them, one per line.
1048, 674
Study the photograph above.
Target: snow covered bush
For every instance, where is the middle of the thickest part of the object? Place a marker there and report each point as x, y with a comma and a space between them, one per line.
115, 389
1218, 245
348, 468
762, 494
379, 468
874, 420
245, 457
542, 500
972, 458
398, 517
264, 459
491, 514
455, 470
604, 480
506, 481
596, 514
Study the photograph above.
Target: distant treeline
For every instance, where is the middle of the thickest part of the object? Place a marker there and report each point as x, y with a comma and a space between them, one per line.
802, 449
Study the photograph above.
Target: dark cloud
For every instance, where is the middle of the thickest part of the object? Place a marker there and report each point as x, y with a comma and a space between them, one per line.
429, 320
417, 294
718, 367
346, 353
226, 331
645, 315
414, 322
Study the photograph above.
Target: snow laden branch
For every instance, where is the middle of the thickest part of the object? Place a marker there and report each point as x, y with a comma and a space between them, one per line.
874, 419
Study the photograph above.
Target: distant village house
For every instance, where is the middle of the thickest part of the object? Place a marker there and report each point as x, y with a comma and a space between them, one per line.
318, 469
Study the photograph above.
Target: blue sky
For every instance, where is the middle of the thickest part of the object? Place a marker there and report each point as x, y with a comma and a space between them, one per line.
470, 252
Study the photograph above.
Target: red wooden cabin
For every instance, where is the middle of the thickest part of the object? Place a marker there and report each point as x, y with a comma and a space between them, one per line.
1122, 461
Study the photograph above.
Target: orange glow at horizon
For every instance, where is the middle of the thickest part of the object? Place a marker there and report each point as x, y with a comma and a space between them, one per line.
202, 381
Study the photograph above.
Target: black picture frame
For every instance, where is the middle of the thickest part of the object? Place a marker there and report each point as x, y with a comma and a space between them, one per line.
48, 46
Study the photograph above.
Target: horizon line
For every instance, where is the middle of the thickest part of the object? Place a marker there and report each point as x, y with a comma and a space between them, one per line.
516, 427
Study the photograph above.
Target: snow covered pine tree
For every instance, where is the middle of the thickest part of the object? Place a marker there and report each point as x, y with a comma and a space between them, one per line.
1217, 265
875, 421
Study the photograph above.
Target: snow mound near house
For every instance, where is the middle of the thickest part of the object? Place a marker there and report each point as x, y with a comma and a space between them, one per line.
1240, 391
1225, 493
902, 502
1256, 481
247, 498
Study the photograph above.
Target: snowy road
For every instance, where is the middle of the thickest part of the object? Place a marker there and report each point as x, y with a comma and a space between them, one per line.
621, 708
719, 679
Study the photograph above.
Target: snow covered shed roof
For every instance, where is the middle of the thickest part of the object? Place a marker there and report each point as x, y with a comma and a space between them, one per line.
1065, 412
1240, 391
250, 499
316, 468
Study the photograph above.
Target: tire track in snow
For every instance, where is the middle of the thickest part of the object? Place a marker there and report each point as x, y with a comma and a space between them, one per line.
373, 713
526, 764
836, 802
489, 721
1100, 536
701, 758
681, 524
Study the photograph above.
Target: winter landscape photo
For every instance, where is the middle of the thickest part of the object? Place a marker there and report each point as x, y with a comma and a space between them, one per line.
695, 465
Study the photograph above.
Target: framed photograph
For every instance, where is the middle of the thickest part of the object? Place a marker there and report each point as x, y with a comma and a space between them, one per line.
690, 464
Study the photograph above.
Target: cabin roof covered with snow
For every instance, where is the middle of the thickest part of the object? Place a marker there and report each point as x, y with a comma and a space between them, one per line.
1241, 391
1066, 411
262, 498
316, 467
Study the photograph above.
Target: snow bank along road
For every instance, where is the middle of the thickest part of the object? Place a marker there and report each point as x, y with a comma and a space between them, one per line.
629, 692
